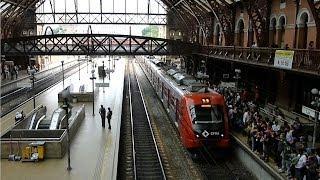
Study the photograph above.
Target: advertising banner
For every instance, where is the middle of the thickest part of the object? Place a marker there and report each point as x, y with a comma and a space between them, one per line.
283, 59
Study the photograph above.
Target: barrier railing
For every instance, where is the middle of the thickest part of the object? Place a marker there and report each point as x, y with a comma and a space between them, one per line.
303, 60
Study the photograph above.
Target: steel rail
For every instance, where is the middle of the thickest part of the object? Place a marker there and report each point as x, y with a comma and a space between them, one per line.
141, 131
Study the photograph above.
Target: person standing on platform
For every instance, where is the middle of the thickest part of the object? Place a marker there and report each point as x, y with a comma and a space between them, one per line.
6, 71
102, 112
109, 115
12, 72
18, 117
16, 68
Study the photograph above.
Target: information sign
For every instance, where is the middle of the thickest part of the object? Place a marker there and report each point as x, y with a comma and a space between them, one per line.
102, 84
309, 112
283, 59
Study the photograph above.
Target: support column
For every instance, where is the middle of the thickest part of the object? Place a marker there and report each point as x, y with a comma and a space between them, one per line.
278, 37
282, 90
272, 37
300, 36
236, 38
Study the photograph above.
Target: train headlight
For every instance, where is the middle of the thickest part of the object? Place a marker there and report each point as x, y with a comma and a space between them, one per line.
197, 136
205, 101
222, 135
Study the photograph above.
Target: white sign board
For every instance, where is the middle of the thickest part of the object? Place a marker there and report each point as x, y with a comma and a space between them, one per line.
283, 59
109, 71
310, 112
228, 84
102, 84
24, 85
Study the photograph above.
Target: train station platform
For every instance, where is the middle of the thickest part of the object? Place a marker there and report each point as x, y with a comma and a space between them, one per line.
94, 150
23, 73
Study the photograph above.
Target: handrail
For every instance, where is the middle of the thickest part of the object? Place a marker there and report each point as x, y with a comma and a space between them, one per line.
304, 60
262, 48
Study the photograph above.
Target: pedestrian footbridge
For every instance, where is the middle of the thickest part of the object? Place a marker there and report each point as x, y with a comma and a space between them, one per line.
93, 44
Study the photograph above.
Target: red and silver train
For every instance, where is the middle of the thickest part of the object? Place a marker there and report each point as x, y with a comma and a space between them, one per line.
198, 112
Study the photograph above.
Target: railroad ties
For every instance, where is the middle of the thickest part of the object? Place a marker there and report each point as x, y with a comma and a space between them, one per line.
147, 161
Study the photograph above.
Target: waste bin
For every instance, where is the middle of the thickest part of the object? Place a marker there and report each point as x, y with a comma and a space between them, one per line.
74, 99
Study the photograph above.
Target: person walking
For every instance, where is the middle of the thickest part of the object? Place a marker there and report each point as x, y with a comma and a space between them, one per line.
102, 112
109, 115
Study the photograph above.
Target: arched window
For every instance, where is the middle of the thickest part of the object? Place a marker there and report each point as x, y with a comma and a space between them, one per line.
250, 34
240, 29
272, 34
171, 34
281, 31
217, 33
303, 35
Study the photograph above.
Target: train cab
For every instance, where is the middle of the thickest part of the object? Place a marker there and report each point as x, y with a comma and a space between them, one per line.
205, 117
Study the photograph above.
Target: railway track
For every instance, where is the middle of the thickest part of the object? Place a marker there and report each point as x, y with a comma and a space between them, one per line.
221, 165
211, 165
146, 158
177, 162
20, 96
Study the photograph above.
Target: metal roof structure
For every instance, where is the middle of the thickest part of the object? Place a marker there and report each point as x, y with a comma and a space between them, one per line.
192, 13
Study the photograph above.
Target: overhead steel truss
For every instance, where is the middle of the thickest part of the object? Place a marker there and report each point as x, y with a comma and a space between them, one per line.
101, 18
93, 44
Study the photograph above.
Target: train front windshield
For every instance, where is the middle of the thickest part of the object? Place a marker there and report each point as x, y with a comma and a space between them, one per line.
201, 114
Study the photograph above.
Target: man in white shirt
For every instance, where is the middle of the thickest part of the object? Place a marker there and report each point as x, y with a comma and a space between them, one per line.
18, 116
289, 136
246, 117
300, 166
275, 126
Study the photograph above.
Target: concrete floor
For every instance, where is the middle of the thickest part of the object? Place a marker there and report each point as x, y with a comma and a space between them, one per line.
93, 150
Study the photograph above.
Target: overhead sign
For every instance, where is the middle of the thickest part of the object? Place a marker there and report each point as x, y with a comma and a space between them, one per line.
24, 85
109, 71
283, 59
102, 84
309, 112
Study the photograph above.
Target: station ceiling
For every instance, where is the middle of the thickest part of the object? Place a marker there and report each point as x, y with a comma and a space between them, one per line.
13, 10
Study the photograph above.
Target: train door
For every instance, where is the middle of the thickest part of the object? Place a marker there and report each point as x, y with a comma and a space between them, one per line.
162, 90
168, 99
165, 95
151, 77
158, 85
177, 108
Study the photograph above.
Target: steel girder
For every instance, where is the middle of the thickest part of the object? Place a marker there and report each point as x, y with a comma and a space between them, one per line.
259, 14
226, 16
315, 9
101, 18
14, 11
93, 44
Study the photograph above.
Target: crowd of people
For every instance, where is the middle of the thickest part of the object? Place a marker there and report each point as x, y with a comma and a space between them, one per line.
10, 71
272, 138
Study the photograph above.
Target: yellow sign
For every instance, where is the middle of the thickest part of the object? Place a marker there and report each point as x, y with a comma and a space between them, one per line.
283, 59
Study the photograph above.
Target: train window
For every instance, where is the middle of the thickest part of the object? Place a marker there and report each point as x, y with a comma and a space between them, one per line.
172, 100
206, 114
